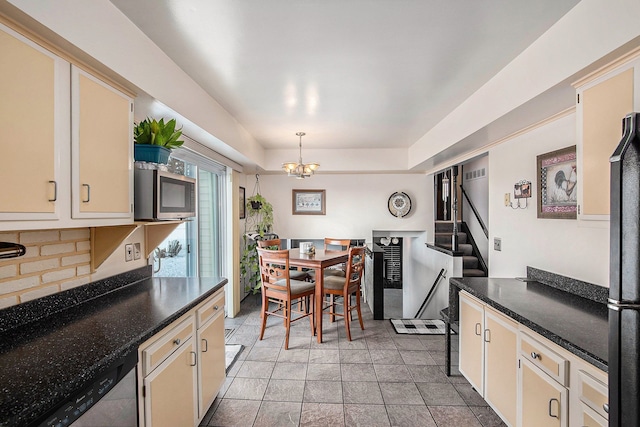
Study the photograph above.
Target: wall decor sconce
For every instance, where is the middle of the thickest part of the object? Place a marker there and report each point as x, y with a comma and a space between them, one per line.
521, 190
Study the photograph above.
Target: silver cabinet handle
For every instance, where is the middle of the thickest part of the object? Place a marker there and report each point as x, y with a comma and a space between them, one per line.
606, 407
535, 355
88, 193
550, 402
176, 341
193, 353
478, 329
55, 191
487, 335
205, 345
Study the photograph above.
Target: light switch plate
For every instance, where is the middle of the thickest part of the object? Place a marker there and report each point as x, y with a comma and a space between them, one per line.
128, 252
136, 250
497, 244
507, 199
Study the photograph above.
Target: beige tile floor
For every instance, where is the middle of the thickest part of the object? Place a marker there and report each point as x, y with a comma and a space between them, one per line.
380, 378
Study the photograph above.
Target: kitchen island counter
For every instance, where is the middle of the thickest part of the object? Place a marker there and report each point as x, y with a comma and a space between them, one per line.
46, 361
578, 324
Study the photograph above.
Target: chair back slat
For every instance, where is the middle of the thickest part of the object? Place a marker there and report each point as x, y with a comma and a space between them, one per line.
269, 244
331, 243
274, 266
355, 266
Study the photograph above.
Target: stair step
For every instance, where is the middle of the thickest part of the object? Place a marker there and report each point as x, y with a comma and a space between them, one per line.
469, 262
465, 248
473, 272
446, 237
446, 226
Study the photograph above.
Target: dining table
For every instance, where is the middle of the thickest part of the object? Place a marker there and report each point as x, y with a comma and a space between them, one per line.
317, 261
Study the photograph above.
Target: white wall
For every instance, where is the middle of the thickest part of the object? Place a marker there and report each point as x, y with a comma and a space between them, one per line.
425, 264
355, 204
571, 248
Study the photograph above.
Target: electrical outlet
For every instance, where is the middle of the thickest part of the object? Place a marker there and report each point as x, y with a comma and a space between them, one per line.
507, 199
136, 250
128, 252
497, 244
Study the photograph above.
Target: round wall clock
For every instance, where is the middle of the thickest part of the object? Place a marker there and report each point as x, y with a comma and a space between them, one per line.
399, 204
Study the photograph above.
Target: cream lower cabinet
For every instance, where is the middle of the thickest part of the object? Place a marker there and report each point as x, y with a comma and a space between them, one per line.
527, 379
182, 368
488, 343
169, 399
211, 366
544, 402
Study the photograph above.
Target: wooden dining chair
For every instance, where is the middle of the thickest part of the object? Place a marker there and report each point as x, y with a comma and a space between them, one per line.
278, 288
345, 287
331, 244
295, 273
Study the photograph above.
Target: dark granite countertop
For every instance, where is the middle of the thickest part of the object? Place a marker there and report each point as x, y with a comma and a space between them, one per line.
578, 324
45, 362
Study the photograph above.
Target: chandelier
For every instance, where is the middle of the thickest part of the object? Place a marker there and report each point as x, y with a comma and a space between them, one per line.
300, 170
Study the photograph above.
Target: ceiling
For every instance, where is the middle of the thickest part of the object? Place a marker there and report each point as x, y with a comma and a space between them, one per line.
349, 73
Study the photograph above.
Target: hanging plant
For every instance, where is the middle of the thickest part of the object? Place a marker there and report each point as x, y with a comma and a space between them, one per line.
259, 220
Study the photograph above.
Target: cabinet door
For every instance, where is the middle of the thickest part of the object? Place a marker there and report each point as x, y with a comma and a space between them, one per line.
602, 107
102, 132
211, 369
471, 341
543, 402
501, 364
170, 398
590, 418
34, 119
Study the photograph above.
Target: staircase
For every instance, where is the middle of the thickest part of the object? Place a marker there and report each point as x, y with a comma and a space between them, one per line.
471, 266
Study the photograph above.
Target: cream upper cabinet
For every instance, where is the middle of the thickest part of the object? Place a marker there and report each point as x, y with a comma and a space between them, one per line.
603, 100
102, 132
34, 117
488, 355
67, 141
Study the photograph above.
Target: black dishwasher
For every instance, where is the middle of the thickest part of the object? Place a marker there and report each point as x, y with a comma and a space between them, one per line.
110, 400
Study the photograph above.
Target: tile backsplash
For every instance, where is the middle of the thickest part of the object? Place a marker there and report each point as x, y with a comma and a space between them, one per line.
56, 260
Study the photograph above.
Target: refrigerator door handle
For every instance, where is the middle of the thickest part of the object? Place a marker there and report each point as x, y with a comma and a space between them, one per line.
623, 305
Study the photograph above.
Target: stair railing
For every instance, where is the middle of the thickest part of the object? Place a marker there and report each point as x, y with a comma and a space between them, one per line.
441, 275
485, 230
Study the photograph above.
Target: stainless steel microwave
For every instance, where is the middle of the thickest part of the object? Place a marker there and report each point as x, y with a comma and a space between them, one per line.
160, 195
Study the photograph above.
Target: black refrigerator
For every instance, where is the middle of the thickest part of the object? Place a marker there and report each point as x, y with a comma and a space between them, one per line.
624, 283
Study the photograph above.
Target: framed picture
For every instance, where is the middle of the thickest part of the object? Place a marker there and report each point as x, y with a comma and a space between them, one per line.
308, 202
558, 184
243, 204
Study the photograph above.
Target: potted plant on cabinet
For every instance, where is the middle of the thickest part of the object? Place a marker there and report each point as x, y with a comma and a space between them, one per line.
154, 140
258, 222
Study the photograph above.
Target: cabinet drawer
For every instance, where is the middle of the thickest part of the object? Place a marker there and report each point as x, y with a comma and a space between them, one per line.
210, 309
167, 343
593, 393
544, 358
